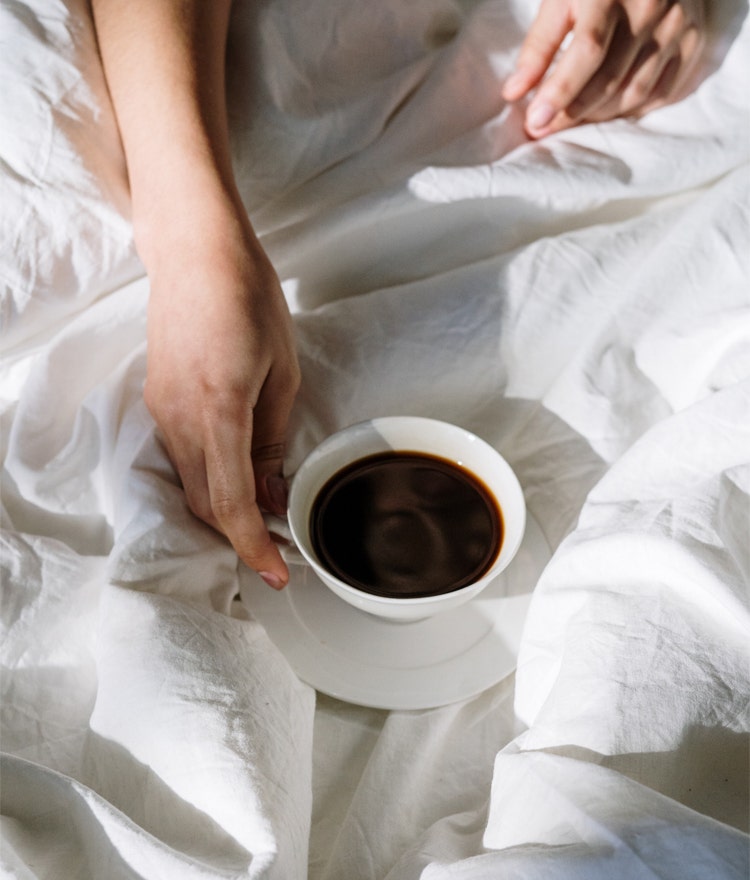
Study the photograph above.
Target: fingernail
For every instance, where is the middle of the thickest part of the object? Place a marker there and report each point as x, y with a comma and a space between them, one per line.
273, 580
278, 493
539, 115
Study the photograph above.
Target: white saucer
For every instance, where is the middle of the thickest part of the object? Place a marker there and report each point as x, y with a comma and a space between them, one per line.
362, 659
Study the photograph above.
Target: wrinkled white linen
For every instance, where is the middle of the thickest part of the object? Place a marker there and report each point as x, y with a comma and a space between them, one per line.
582, 303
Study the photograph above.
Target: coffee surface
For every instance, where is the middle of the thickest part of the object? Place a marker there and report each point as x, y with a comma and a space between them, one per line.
406, 524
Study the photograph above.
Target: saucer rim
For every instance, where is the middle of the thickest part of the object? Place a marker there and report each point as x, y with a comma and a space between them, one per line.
450, 680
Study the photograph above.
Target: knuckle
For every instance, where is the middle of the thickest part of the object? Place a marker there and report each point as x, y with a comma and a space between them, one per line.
576, 110
161, 408
199, 505
608, 91
295, 382
294, 379
253, 551
228, 508
561, 92
227, 405
636, 94
652, 10
592, 43
675, 21
287, 379
694, 38
534, 49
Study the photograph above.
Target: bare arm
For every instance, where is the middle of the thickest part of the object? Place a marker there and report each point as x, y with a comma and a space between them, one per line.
222, 370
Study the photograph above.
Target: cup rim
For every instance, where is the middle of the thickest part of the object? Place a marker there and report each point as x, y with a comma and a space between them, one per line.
334, 440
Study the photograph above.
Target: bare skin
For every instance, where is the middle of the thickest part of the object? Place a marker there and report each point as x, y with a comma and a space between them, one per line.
625, 58
222, 370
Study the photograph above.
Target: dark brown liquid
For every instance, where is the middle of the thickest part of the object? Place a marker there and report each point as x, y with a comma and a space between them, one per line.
406, 524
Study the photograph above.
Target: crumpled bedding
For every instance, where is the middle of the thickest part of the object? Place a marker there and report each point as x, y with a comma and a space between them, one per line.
582, 303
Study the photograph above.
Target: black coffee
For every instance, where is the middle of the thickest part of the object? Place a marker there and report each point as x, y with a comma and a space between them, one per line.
406, 524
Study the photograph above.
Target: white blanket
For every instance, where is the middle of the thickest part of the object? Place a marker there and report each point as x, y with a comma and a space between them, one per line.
582, 303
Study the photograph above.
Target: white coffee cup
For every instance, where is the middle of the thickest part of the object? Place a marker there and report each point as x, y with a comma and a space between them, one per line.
405, 434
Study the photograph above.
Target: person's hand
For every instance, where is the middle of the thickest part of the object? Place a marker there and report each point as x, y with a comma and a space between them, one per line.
222, 375
221, 371
625, 58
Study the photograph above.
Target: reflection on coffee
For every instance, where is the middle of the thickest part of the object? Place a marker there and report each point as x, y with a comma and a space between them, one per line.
406, 524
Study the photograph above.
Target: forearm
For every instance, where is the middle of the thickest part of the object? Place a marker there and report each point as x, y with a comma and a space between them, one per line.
164, 63
221, 371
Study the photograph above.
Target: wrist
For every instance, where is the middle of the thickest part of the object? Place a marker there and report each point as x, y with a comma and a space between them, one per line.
187, 213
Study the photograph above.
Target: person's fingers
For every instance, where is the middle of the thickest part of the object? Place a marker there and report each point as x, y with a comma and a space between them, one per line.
625, 57
661, 67
221, 492
270, 420
271, 488
605, 86
544, 38
191, 468
674, 74
658, 72
232, 493
592, 36
637, 86
187, 458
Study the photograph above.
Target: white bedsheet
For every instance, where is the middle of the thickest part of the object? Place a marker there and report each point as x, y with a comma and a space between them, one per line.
582, 303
